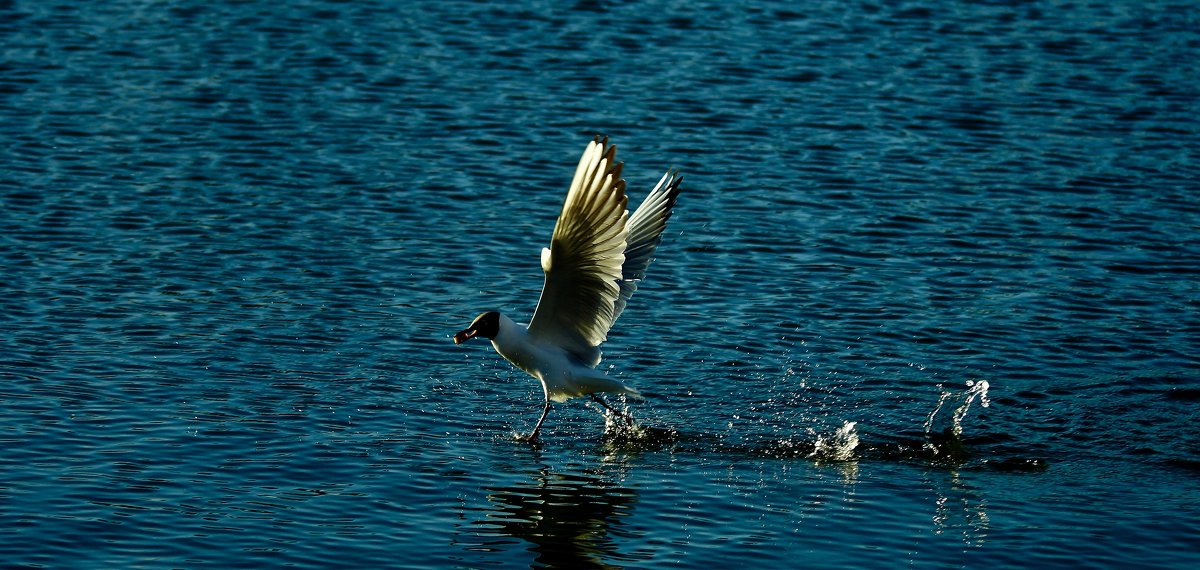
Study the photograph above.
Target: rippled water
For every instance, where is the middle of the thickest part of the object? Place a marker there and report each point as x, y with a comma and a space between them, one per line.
930, 297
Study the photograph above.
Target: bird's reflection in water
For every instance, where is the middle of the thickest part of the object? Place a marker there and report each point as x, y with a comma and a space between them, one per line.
570, 519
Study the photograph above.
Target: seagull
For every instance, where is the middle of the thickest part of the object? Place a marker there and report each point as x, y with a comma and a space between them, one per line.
597, 256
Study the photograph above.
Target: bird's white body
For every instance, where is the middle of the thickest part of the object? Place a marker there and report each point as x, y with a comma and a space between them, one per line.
562, 378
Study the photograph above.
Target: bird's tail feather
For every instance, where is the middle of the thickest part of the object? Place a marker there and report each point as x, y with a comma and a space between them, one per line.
599, 383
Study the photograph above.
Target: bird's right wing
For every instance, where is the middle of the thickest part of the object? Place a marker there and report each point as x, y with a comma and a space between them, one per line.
645, 233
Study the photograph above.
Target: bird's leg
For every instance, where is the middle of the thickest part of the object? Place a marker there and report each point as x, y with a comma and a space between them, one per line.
628, 419
537, 428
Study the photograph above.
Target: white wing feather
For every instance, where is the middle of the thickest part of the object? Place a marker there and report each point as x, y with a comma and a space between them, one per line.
584, 262
645, 233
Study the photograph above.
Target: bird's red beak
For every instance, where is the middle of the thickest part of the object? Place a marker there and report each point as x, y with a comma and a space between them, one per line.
464, 335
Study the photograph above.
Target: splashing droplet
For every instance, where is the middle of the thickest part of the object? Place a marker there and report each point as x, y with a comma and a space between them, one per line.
837, 446
974, 390
948, 441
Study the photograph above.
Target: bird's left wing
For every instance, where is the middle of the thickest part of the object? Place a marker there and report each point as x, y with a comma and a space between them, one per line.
583, 262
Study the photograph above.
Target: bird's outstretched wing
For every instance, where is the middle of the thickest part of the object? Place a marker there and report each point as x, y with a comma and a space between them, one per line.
584, 262
645, 233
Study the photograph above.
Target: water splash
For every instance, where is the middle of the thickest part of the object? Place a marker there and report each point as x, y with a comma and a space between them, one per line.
975, 389
837, 446
948, 440
622, 430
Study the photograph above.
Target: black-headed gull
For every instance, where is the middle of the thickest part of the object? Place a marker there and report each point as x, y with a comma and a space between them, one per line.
597, 255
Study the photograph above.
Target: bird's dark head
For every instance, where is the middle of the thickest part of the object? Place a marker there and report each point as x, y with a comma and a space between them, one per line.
486, 325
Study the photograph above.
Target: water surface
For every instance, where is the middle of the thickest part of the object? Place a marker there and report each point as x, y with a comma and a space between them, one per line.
238, 237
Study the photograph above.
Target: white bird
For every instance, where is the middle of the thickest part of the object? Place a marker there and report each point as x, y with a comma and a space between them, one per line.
597, 255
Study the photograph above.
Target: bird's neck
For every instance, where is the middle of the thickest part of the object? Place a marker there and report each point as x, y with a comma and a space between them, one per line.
514, 344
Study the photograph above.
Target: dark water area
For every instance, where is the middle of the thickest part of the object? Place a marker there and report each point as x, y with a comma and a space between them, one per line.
930, 297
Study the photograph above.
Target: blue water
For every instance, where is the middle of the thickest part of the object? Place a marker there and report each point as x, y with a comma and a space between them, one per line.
930, 298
